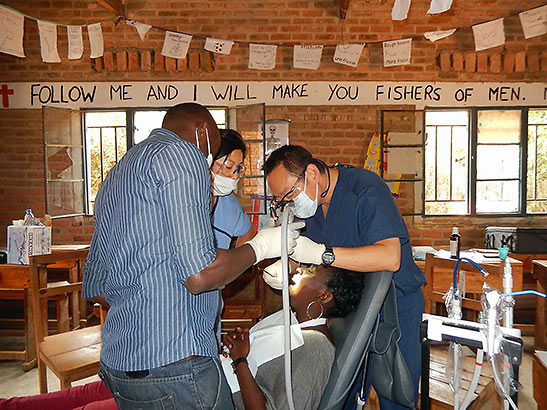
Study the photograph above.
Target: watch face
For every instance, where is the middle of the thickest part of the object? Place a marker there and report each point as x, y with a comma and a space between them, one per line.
328, 257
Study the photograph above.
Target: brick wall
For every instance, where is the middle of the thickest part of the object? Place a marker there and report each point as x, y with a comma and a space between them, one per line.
334, 133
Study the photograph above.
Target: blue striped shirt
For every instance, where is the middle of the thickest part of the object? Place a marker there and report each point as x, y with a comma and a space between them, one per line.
153, 231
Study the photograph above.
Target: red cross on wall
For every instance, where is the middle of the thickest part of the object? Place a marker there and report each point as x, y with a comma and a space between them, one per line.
5, 92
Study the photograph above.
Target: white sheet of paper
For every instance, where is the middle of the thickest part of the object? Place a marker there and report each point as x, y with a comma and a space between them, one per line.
348, 54
176, 45
534, 22
262, 56
439, 6
48, 42
141, 28
400, 9
437, 35
216, 45
397, 52
95, 33
488, 35
11, 32
308, 57
75, 42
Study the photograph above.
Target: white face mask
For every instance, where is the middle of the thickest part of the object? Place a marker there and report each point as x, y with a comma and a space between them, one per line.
209, 156
304, 206
223, 186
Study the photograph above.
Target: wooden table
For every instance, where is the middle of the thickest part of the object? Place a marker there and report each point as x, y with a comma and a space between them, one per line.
539, 271
15, 284
439, 277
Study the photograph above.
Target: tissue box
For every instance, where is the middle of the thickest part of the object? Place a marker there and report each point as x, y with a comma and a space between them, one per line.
25, 241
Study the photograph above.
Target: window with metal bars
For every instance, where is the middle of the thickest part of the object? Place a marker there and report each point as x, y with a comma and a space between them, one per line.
486, 161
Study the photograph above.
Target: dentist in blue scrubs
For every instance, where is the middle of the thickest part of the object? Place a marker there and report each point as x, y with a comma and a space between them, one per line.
352, 222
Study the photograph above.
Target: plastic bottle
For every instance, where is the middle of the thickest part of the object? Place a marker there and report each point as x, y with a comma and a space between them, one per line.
29, 218
455, 243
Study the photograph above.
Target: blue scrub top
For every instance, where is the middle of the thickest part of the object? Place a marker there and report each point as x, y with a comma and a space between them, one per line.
361, 212
229, 220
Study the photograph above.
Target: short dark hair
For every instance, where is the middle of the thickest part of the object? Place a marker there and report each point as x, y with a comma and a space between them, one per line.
346, 287
230, 140
294, 158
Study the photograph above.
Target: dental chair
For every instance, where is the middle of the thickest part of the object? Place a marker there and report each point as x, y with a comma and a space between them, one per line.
352, 338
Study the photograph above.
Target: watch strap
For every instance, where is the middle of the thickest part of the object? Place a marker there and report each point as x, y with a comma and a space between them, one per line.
237, 361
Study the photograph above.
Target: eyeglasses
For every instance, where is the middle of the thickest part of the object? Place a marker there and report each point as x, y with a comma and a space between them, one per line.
275, 205
230, 169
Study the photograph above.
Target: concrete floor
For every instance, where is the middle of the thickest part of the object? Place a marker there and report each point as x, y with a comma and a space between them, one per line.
16, 382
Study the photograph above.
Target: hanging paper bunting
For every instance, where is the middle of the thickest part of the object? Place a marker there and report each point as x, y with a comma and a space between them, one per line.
48, 42
141, 28
75, 42
437, 35
308, 57
488, 35
348, 54
534, 22
11, 32
439, 6
218, 46
397, 52
262, 56
400, 9
95, 33
176, 45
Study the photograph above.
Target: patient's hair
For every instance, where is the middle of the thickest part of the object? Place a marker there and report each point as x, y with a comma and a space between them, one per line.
346, 287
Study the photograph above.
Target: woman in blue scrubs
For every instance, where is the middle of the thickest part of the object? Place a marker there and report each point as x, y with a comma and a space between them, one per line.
352, 222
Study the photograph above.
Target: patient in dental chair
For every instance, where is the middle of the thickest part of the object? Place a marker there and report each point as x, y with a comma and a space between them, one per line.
254, 361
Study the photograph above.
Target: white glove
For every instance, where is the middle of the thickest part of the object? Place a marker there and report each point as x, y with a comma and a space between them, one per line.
273, 275
308, 251
267, 242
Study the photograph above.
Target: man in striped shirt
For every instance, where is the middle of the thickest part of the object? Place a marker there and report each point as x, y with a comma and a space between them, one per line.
152, 260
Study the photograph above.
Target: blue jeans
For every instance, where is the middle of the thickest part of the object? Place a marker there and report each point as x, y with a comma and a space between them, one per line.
196, 383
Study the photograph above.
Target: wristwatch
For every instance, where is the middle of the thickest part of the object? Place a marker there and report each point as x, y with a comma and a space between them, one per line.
328, 256
237, 361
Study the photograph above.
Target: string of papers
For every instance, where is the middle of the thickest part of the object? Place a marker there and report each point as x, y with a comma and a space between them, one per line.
262, 56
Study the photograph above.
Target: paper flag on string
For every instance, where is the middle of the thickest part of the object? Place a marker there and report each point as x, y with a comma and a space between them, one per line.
397, 52
439, 6
218, 46
176, 45
488, 35
11, 32
534, 22
348, 54
95, 33
400, 9
48, 42
437, 35
262, 56
75, 42
308, 57
141, 28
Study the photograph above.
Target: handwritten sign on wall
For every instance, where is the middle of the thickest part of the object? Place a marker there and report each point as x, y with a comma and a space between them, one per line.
166, 94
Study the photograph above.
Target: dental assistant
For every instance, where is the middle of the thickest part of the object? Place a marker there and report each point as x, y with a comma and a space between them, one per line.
352, 222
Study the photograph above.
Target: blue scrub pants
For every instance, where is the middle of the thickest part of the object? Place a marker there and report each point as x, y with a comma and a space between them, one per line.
410, 308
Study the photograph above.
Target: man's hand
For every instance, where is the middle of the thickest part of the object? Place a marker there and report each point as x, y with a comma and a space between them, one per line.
273, 275
308, 251
267, 242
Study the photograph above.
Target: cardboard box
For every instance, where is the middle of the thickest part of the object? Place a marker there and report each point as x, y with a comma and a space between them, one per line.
25, 241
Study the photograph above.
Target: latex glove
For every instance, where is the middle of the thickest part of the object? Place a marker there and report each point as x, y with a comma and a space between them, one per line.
267, 242
273, 275
308, 251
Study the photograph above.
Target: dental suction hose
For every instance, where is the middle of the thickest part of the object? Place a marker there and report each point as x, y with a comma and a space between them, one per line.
455, 280
286, 218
